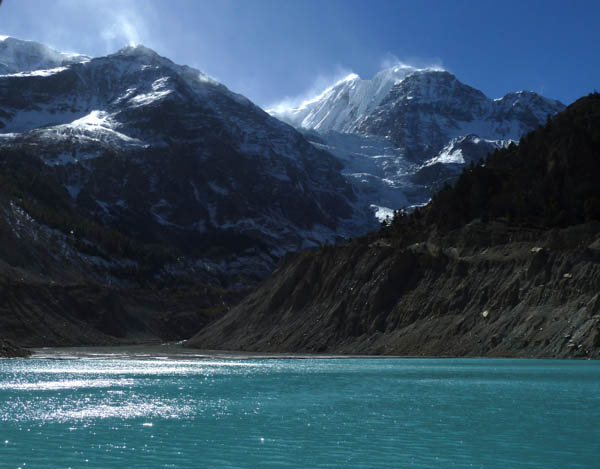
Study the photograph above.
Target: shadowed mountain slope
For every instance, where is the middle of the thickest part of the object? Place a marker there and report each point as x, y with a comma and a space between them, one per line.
506, 263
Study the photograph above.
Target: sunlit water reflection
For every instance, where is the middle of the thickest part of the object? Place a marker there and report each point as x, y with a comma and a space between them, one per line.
299, 413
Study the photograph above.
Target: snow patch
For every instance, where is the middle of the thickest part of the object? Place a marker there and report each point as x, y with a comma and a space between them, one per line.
160, 84
37, 73
379, 172
61, 159
148, 98
449, 155
98, 125
383, 213
94, 118
125, 96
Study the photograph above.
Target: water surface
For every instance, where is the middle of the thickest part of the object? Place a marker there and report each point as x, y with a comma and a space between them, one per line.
180, 411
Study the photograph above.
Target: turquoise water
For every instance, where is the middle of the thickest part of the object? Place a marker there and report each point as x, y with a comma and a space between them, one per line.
299, 413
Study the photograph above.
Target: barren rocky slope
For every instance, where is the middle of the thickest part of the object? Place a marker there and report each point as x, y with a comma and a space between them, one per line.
482, 290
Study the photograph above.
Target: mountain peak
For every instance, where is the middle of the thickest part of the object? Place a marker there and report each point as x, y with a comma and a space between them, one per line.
400, 71
146, 56
141, 54
343, 105
137, 50
18, 55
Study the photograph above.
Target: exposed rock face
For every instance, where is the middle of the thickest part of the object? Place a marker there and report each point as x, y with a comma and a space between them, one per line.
481, 291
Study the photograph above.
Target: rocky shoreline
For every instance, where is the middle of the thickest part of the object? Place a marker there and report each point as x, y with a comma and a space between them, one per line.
38, 313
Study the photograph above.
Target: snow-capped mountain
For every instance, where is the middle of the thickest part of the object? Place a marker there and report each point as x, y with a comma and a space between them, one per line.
426, 109
345, 105
18, 56
169, 155
407, 131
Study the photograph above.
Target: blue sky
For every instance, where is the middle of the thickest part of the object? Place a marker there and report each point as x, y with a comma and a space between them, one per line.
270, 50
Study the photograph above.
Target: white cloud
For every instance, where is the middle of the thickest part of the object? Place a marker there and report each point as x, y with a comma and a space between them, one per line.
124, 26
116, 23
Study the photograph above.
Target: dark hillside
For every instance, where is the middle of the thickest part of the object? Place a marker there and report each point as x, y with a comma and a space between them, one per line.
66, 279
550, 179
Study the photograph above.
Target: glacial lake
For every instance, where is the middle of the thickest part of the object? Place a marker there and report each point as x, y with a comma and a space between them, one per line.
90, 411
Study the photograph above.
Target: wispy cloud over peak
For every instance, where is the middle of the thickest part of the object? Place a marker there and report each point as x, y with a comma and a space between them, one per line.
124, 26
112, 25
391, 61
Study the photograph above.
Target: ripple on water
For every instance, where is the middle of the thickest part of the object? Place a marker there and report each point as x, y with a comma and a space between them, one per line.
291, 413
66, 384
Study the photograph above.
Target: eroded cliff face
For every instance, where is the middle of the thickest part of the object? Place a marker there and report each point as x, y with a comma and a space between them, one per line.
483, 290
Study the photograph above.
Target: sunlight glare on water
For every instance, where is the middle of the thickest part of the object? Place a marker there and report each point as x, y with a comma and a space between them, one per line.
299, 413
